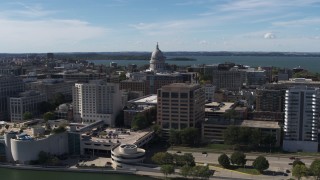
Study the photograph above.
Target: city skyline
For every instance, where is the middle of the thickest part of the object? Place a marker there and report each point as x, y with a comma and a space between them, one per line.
190, 25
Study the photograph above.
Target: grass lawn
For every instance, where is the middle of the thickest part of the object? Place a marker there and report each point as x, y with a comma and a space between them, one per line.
248, 171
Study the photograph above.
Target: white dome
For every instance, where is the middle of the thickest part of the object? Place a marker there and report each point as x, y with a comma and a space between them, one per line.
157, 54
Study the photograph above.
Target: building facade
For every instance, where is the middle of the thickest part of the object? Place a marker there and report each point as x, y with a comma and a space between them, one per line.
269, 100
9, 86
28, 101
95, 101
180, 105
301, 119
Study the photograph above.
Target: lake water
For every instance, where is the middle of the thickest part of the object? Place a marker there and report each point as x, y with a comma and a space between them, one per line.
309, 63
15, 174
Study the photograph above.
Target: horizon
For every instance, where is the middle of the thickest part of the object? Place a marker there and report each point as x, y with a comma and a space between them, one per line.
178, 25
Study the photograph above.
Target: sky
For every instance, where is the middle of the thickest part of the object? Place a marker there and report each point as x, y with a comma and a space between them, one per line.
40, 26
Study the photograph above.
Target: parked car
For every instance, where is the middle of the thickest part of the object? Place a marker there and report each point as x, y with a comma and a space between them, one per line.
292, 158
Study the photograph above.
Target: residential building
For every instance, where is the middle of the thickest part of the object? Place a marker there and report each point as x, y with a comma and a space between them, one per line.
95, 101
269, 100
301, 119
180, 105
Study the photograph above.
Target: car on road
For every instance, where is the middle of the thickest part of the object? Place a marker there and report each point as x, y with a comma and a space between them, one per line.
178, 151
288, 171
292, 158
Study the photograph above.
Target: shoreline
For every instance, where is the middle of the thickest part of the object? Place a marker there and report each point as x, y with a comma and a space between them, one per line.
81, 170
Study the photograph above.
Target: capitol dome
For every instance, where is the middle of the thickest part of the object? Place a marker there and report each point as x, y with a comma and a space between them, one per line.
157, 54
157, 61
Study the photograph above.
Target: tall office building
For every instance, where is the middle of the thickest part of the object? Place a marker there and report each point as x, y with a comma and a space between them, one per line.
95, 101
301, 119
9, 86
180, 105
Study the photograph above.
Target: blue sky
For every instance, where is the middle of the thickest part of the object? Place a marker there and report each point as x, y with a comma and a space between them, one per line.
178, 25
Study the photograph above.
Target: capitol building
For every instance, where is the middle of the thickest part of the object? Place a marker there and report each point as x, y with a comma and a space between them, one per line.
157, 61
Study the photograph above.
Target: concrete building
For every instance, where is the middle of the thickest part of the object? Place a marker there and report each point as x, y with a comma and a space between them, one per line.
9, 86
52, 87
156, 81
230, 80
209, 92
133, 85
127, 154
26, 102
269, 100
301, 119
255, 77
23, 148
96, 100
140, 106
180, 105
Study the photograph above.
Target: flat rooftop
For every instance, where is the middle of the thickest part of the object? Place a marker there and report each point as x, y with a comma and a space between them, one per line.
260, 124
124, 137
150, 99
218, 107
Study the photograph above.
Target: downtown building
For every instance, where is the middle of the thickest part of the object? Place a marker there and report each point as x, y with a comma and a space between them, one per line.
180, 105
9, 86
96, 101
301, 119
28, 101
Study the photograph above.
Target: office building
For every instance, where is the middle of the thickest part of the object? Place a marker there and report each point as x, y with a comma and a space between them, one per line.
180, 105
28, 101
269, 100
9, 86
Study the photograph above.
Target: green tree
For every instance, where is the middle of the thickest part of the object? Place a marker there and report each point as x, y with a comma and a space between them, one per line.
45, 106
297, 162
182, 160
315, 168
48, 116
174, 137
43, 157
231, 135
139, 122
224, 161
27, 115
7, 126
157, 131
162, 158
60, 129
120, 119
58, 99
260, 163
299, 171
190, 136
185, 171
238, 158
202, 172
167, 169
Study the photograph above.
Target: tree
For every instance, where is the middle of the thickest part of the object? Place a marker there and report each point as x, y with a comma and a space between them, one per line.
27, 115
174, 137
296, 162
224, 161
6, 126
162, 158
299, 171
185, 171
139, 122
120, 119
260, 163
238, 158
45, 106
167, 169
231, 135
190, 136
182, 160
48, 116
202, 172
315, 168
122, 76
58, 99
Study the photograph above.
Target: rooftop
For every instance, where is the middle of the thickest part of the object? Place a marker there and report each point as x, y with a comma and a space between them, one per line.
218, 107
260, 124
149, 99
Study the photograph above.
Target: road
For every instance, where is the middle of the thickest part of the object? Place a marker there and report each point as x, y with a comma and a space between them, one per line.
277, 164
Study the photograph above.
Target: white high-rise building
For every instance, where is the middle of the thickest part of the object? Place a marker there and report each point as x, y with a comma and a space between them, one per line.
95, 101
301, 119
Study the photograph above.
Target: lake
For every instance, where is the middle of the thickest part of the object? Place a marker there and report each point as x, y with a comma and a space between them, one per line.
309, 63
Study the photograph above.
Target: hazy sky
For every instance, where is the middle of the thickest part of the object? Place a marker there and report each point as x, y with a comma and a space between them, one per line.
178, 25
